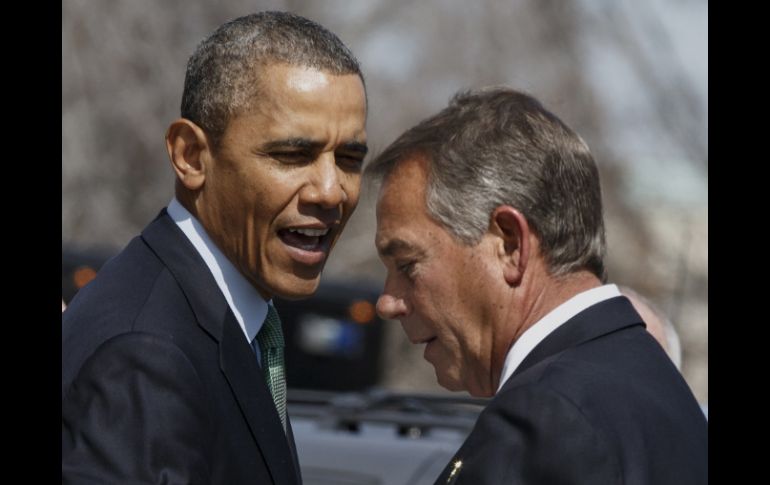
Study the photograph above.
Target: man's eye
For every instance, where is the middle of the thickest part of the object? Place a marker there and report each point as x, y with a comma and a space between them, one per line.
292, 157
406, 268
350, 162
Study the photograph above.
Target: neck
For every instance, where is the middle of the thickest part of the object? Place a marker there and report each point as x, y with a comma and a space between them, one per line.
538, 295
551, 292
186, 199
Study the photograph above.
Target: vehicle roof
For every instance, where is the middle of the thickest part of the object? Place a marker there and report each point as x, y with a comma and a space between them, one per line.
378, 437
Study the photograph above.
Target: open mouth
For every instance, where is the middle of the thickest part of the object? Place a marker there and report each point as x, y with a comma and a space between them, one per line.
307, 245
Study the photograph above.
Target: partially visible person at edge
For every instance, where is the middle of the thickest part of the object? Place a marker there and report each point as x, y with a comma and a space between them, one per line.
489, 222
657, 324
660, 327
172, 365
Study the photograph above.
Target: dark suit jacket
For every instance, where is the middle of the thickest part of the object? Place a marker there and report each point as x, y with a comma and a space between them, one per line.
596, 402
159, 384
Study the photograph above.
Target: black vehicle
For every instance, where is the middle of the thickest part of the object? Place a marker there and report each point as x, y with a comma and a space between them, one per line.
334, 338
378, 437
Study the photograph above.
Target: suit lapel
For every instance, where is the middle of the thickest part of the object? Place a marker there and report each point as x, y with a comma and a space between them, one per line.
595, 321
236, 357
293, 447
183, 261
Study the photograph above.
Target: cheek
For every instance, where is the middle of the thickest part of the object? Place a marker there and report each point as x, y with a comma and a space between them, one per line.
459, 340
460, 326
274, 195
351, 184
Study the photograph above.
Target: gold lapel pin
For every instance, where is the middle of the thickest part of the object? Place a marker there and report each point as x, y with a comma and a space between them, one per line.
455, 468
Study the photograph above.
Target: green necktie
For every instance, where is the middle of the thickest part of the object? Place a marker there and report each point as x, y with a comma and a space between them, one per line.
270, 339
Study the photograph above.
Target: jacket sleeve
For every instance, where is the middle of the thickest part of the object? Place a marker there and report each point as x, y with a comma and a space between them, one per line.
136, 413
531, 436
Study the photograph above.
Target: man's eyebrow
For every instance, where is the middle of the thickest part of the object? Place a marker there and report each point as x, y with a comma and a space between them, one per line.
302, 143
395, 246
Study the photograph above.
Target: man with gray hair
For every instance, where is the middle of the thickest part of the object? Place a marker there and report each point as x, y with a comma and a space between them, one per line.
489, 222
172, 357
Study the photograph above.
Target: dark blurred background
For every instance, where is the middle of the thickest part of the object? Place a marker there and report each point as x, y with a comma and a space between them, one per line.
630, 77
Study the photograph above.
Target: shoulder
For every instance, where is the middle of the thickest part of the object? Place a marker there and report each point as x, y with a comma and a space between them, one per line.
535, 434
628, 404
123, 283
623, 365
541, 404
133, 297
137, 393
615, 383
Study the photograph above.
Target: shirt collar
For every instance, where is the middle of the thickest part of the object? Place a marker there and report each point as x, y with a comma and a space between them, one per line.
248, 306
550, 322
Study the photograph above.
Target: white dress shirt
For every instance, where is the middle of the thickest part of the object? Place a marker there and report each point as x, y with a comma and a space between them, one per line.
550, 322
248, 306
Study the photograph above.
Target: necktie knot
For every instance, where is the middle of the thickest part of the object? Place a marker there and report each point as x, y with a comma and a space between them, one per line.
270, 336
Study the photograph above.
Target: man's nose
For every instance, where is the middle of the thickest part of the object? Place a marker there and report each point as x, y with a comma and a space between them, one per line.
390, 307
325, 188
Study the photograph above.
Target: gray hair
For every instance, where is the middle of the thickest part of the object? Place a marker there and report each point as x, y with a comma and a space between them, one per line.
498, 146
223, 74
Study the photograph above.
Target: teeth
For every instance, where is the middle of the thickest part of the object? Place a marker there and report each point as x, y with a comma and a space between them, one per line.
311, 232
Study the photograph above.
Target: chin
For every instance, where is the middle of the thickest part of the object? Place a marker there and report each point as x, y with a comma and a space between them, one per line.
296, 288
448, 383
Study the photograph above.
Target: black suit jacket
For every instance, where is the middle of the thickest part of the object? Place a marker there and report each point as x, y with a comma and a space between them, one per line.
596, 402
159, 384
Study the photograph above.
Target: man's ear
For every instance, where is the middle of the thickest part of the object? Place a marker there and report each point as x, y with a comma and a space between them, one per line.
512, 228
188, 150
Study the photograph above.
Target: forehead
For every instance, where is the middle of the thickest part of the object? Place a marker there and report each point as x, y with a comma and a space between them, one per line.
306, 79
402, 217
304, 102
281, 82
403, 190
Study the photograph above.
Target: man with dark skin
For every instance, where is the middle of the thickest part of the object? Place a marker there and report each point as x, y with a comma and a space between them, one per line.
489, 222
172, 358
